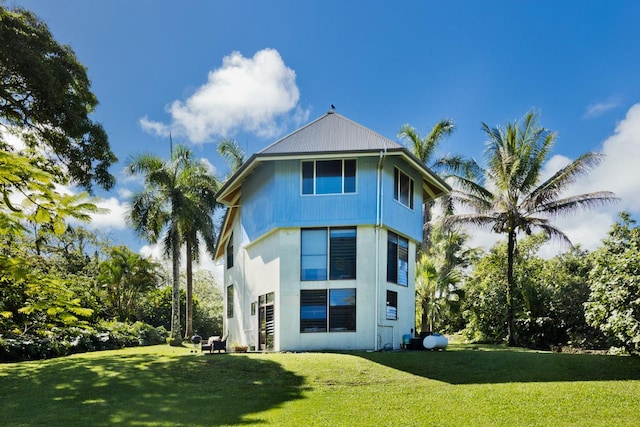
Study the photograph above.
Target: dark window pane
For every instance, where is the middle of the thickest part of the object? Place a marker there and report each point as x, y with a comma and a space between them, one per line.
392, 305
313, 310
230, 252
307, 177
392, 257
229, 302
313, 262
342, 250
349, 176
403, 261
342, 310
328, 176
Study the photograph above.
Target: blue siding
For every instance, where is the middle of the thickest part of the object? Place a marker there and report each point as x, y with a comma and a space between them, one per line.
272, 197
396, 215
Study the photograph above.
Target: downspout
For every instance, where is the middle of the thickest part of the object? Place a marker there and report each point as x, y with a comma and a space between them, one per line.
379, 206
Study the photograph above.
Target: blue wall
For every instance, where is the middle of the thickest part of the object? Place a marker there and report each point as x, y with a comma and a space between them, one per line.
272, 197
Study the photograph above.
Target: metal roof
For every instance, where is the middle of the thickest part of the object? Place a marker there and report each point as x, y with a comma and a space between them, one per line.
330, 133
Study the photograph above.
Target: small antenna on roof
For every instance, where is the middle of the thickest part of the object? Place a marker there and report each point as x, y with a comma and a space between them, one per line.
333, 107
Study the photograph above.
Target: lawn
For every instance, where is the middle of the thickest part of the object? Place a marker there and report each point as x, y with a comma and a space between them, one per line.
463, 386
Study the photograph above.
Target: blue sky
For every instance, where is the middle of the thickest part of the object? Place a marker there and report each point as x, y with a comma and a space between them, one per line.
257, 70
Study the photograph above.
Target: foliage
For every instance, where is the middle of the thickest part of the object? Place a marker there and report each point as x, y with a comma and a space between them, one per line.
175, 206
514, 200
63, 341
614, 302
439, 272
45, 92
125, 278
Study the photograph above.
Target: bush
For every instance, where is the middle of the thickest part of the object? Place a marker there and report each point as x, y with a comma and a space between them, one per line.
64, 341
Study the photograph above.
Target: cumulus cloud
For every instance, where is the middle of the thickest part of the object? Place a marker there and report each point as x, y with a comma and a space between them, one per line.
156, 252
258, 95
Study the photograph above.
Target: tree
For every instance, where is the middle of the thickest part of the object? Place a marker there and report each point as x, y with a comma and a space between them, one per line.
509, 198
232, 153
614, 302
424, 149
167, 206
125, 278
439, 272
45, 92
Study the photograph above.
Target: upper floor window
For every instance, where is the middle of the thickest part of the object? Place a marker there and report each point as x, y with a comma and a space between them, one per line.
230, 252
397, 259
331, 250
329, 176
403, 188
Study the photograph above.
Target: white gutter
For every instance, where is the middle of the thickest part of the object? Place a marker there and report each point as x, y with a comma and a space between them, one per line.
379, 206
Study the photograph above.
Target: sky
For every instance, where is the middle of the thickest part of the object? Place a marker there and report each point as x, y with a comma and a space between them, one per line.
257, 70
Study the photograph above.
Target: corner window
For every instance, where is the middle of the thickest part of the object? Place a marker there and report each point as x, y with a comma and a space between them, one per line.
328, 250
392, 305
397, 259
229, 302
332, 310
329, 176
403, 188
230, 252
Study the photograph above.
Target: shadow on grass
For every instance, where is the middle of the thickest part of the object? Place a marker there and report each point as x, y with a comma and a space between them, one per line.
144, 389
467, 366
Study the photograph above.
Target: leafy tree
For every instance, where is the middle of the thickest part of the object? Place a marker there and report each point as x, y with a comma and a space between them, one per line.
232, 153
126, 277
424, 148
509, 198
614, 302
439, 272
168, 205
45, 92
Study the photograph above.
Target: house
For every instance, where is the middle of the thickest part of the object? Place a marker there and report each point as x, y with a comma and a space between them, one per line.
319, 240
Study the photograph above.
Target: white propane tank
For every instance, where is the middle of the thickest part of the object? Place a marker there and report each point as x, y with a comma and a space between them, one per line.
435, 342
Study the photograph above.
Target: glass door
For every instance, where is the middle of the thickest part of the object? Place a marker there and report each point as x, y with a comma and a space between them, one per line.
266, 321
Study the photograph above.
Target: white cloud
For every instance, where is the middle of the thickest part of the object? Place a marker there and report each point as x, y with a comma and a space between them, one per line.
595, 110
254, 95
114, 219
156, 252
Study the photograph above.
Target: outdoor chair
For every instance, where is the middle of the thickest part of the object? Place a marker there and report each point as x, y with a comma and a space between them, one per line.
214, 343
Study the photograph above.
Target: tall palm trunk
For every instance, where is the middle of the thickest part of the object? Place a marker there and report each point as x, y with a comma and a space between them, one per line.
175, 289
189, 308
511, 246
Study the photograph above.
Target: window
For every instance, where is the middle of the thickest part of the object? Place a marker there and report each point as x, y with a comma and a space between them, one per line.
230, 252
329, 176
254, 306
337, 313
397, 259
403, 188
229, 302
331, 250
392, 305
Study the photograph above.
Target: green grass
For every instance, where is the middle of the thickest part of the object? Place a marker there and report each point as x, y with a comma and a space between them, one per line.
463, 386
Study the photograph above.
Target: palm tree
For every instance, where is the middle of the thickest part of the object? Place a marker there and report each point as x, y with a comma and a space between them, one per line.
439, 271
509, 198
198, 227
424, 148
168, 205
232, 153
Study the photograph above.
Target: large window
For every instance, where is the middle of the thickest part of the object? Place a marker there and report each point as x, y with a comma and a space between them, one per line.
392, 305
403, 188
331, 250
329, 176
333, 310
397, 259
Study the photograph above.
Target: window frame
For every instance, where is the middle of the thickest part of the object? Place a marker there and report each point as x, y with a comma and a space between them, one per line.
335, 260
328, 316
230, 253
392, 305
398, 175
397, 246
309, 177
230, 301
